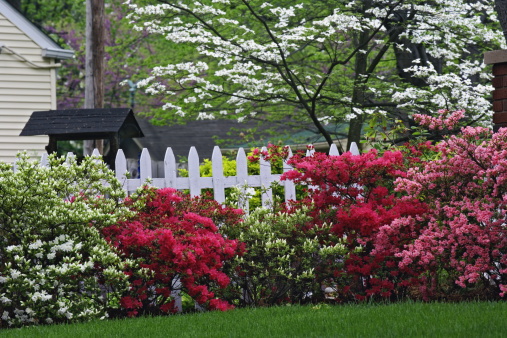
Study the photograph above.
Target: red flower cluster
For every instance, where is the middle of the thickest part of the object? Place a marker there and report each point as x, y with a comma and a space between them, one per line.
177, 247
355, 193
274, 154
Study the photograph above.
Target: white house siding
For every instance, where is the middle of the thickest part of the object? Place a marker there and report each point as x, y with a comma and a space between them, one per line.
23, 90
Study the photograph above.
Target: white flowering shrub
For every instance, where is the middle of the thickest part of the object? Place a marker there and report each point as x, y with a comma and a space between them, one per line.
287, 258
54, 264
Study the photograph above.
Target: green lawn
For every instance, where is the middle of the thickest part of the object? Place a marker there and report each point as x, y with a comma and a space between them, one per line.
476, 319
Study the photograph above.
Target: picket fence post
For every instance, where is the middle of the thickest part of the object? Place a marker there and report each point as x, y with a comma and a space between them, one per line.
242, 178
354, 150
333, 150
289, 186
170, 169
265, 176
145, 166
217, 169
121, 169
44, 162
194, 173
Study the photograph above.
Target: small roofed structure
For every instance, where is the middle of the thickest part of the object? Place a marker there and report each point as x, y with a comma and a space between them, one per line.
84, 124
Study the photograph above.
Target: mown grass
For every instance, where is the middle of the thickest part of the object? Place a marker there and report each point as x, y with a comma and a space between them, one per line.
474, 319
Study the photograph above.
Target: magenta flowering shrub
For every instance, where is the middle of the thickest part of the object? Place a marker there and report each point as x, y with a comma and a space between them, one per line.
461, 240
356, 195
176, 247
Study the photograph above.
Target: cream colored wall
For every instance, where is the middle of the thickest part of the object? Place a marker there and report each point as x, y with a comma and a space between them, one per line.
23, 90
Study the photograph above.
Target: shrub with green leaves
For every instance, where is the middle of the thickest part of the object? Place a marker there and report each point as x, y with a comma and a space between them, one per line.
287, 260
54, 264
253, 166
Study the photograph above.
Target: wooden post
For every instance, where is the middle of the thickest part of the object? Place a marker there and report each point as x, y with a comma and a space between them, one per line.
114, 145
52, 145
94, 64
498, 59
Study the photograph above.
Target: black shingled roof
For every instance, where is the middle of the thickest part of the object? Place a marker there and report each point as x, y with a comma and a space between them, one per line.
83, 123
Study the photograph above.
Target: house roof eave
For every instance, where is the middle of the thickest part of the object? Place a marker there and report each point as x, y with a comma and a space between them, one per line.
61, 54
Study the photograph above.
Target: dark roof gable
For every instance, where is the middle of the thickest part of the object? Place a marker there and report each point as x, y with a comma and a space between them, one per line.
83, 123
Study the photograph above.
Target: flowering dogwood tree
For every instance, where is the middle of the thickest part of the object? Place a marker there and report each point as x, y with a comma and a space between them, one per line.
320, 62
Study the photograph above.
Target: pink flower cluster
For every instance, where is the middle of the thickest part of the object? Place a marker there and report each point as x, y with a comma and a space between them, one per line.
443, 119
463, 230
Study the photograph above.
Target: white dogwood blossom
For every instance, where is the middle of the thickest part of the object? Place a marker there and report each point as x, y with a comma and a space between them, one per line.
321, 62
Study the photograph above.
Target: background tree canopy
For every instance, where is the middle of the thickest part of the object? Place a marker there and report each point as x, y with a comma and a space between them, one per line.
327, 66
323, 62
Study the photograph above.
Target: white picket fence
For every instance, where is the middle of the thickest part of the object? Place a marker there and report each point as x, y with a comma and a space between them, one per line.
218, 182
195, 183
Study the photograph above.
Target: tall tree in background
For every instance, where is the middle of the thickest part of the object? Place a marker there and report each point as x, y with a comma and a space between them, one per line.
320, 62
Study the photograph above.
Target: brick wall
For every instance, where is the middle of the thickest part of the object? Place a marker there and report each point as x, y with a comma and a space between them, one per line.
498, 59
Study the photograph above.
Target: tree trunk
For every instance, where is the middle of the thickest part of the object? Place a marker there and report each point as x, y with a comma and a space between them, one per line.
356, 124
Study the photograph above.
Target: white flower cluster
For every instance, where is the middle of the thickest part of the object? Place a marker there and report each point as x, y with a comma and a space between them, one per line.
51, 217
282, 60
452, 91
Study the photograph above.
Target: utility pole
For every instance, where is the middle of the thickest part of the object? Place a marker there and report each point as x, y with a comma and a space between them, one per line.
94, 64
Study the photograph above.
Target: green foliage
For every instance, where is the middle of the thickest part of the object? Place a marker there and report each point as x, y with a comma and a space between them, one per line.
56, 13
233, 195
287, 258
54, 264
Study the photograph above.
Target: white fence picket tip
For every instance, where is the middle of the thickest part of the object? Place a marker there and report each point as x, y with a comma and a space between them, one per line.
290, 187
217, 168
265, 176
44, 162
242, 177
145, 166
194, 173
354, 150
170, 168
121, 169
333, 150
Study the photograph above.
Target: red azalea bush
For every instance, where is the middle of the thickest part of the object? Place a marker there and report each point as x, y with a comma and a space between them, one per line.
356, 194
462, 238
177, 247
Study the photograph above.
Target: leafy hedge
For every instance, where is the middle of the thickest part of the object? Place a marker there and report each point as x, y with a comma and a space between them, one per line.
425, 221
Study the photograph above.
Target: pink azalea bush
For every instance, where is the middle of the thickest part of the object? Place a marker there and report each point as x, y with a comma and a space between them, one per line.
461, 239
445, 119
